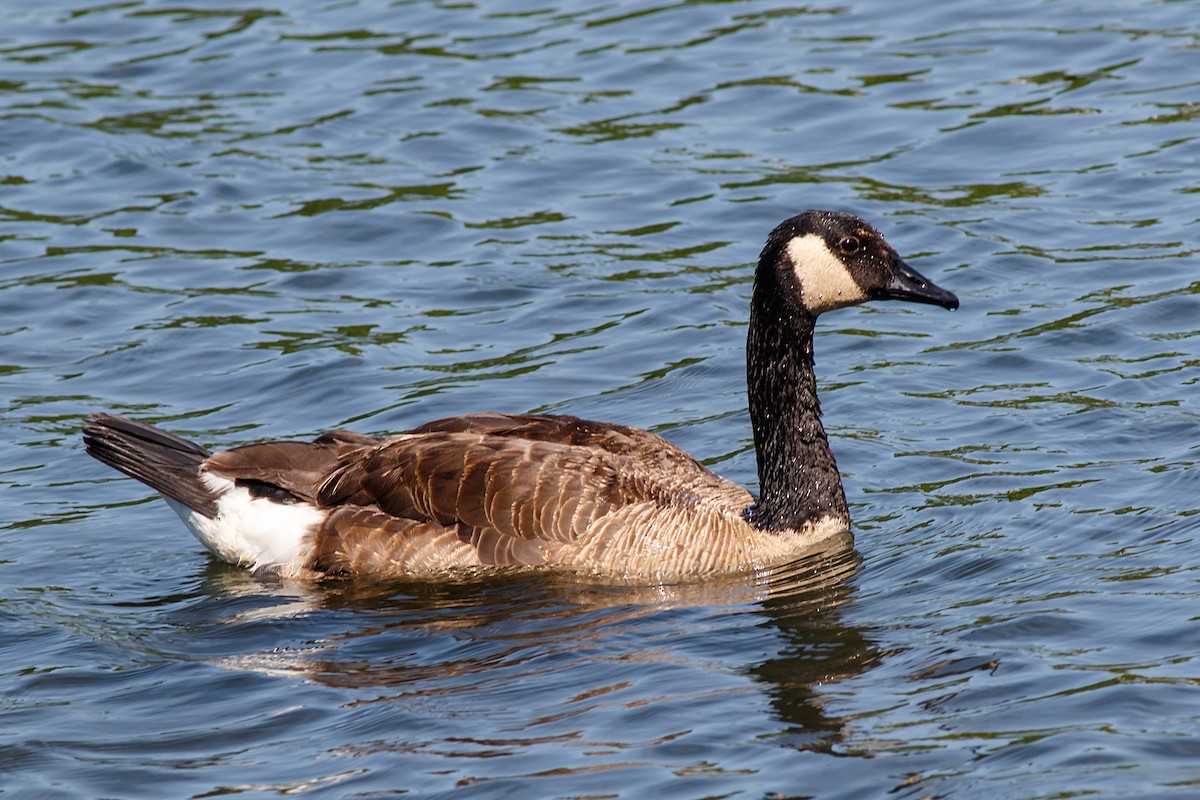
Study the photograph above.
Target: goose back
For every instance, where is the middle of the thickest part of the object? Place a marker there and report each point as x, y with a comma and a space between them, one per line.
520, 489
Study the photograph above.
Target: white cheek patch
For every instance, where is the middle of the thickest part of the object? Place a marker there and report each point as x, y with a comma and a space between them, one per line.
825, 283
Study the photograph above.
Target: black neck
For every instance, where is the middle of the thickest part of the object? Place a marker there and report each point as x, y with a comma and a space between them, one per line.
798, 478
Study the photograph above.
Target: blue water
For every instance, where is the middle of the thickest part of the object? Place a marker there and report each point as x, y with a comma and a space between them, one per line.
246, 222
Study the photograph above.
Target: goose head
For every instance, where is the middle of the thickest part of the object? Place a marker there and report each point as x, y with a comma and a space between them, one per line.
822, 260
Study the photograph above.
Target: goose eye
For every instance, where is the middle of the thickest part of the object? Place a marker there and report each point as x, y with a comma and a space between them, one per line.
850, 244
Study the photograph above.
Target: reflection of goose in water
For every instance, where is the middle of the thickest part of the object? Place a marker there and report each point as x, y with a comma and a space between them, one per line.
500, 489
545, 650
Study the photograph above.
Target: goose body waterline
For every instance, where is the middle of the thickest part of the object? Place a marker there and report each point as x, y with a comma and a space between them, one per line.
545, 490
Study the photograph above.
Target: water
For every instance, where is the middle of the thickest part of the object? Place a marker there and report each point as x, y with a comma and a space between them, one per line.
249, 222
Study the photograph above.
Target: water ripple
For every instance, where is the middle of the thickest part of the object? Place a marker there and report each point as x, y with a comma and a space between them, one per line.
263, 222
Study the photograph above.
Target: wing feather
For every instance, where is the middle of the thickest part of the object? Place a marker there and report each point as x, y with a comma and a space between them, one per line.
510, 485
295, 467
510, 489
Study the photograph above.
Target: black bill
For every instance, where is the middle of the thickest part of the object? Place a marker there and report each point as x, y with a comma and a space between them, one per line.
908, 284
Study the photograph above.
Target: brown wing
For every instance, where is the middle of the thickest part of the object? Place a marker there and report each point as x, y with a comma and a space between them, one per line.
287, 471
621, 440
476, 489
668, 469
502, 479
525, 488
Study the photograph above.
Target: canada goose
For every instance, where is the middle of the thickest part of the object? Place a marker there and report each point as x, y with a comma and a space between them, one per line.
512, 489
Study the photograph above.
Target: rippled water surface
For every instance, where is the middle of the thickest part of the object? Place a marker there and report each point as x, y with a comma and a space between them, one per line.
251, 221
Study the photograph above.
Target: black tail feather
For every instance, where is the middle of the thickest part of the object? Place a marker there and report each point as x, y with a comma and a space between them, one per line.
162, 461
